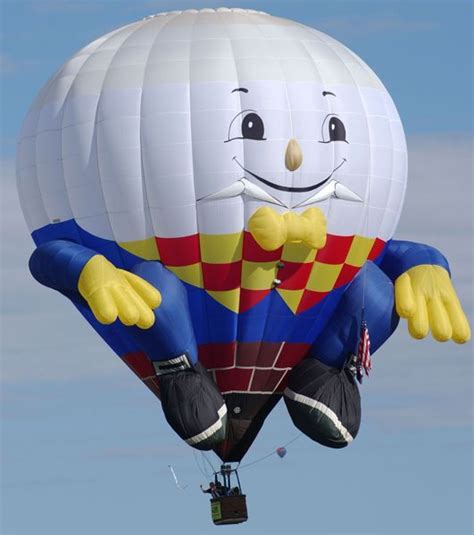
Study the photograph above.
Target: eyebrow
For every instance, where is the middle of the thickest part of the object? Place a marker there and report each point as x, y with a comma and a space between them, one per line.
325, 93
243, 89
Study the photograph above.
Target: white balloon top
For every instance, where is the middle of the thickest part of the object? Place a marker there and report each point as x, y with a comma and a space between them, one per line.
140, 132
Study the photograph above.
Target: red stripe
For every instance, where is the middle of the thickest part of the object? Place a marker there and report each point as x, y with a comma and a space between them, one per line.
217, 355
221, 277
363, 352
336, 249
254, 253
309, 299
182, 251
377, 248
261, 354
139, 363
294, 276
347, 273
291, 355
250, 298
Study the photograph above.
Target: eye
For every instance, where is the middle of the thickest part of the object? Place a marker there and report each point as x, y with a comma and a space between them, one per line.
246, 125
337, 130
333, 129
252, 127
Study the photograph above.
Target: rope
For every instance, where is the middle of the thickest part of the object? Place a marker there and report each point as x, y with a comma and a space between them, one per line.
260, 459
208, 462
203, 472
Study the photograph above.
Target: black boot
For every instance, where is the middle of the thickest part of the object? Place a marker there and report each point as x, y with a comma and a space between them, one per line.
192, 402
324, 403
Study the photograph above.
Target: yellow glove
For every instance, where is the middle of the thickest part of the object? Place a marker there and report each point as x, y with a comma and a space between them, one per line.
112, 293
425, 296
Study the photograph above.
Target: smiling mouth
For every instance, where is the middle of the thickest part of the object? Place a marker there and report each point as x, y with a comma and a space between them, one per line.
279, 187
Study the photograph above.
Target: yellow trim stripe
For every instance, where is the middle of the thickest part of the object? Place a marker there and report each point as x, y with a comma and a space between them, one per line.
191, 274
258, 275
298, 252
323, 277
292, 298
229, 298
221, 248
359, 251
145, 249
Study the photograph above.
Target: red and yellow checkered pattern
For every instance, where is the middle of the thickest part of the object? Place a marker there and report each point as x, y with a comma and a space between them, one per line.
238, 273
235, 271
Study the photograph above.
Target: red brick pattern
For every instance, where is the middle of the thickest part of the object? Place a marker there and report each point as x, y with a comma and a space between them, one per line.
234, 379
267, 380
214, 356
251, 366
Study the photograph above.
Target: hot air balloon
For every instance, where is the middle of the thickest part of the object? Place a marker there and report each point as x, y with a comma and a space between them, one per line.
217, 192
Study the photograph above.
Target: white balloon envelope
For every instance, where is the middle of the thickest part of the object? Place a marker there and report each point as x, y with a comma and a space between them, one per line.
138, 129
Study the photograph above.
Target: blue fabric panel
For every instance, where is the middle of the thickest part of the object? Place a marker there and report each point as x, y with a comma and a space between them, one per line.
278, 318
172, 333
71, 231
58, 264
59, 259
341, 336
218, 321
106, 247
252, 322
115, 335
400, 256
197, 308
311, 322
272, 321
66, 230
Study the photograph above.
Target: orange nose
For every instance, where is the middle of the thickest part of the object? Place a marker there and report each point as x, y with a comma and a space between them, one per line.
293, 155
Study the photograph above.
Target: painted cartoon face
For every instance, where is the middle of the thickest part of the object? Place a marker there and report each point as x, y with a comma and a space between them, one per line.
249, 125
187, 122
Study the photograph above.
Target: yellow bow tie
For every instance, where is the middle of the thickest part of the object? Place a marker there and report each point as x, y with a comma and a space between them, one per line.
272, 230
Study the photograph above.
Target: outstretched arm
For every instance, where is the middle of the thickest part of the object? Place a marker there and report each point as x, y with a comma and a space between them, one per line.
111, 293
424, 294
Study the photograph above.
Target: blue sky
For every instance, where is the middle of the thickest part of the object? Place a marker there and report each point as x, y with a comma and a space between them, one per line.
85, 446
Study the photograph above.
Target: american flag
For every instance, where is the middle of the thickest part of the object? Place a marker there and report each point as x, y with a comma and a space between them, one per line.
363, 361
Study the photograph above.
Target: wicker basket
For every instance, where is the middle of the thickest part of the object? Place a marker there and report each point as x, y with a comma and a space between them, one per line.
229, 509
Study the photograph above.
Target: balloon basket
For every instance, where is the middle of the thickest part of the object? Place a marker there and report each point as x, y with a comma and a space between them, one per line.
229, 510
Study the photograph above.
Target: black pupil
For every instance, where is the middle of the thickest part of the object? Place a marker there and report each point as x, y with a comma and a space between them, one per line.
252, 127
337, 130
